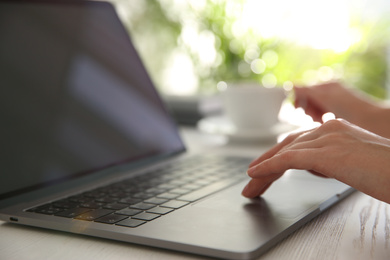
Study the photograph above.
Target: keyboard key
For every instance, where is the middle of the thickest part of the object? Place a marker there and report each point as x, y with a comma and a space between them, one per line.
91, 205
168, 195
106, 200
48, 210
177, 182
79, 199
143, 196
180, 191
146, 216
111, 219
72, 213
130, 200
94, 214
156, 201
143, 206
155, 190
118, 194
115, 206
160, 210
128, 212
202, 182
131, 223
174, 204
191, 186
64, 204
166, 186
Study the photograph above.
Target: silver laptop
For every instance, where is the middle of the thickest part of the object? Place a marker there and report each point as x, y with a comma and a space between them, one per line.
88, 147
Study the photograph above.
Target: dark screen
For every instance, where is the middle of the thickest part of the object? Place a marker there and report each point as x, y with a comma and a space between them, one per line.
74, 95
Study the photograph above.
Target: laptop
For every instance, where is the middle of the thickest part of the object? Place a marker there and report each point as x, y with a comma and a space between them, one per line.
88, 147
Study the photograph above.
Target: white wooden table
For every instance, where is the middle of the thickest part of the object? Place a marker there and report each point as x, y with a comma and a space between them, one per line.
356, 228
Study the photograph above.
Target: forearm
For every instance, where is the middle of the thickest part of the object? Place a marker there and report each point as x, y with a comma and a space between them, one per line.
377, 120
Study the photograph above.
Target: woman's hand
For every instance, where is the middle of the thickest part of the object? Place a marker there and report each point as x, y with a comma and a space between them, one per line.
345, 103
337, 149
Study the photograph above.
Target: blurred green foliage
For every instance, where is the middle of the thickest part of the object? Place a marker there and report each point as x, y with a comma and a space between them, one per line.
158, 27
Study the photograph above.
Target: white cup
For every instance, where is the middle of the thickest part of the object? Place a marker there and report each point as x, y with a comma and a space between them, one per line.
252, 106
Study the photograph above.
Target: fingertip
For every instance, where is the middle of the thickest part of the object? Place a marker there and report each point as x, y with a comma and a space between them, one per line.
250, 171
248, 191
296, 103
245, 191
249, 195
254, 189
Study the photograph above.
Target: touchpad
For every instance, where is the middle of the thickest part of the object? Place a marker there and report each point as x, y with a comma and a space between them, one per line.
293, 195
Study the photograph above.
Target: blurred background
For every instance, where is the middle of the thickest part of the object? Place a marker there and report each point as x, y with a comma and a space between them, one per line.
191, 46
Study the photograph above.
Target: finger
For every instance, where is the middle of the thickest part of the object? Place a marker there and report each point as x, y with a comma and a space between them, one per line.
257, 187
301, 99
308, 99
318, 174
314, 111
291, 139
286, 142
302, 159
247, 192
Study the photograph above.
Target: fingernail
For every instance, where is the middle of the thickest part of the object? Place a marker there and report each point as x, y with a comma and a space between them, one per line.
250, 171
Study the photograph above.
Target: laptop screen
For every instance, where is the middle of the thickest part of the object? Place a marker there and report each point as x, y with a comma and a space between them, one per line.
74, 96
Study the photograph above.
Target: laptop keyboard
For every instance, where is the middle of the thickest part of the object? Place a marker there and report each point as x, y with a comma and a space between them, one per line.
135, 201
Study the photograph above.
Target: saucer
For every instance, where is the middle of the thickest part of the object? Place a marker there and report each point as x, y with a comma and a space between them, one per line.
223, 126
